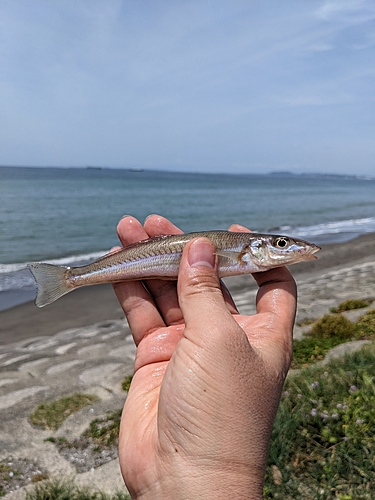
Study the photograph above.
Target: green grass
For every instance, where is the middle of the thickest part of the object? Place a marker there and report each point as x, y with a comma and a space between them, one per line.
351, 304
101, 434
332, 326
323, 440
63, 489
126, 383
366, 324
105, 431
50, 415
310, 350
59, 440
325, 333
5, 470
328, 332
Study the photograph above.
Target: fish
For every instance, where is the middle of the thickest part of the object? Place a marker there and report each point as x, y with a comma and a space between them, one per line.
159, 258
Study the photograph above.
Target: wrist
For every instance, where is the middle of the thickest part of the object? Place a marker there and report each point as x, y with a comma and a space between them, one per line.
218, 485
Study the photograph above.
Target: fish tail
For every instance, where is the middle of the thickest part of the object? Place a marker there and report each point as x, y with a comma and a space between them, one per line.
51, 282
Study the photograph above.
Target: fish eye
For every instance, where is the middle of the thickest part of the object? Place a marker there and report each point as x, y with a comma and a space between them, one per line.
281, 242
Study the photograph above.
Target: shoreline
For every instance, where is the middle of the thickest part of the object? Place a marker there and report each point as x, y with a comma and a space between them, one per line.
98, 303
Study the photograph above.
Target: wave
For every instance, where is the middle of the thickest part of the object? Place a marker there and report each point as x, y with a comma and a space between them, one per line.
354, 226
62, 261
16, 276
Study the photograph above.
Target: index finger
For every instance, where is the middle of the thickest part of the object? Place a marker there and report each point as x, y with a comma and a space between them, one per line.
277, 295
136, 302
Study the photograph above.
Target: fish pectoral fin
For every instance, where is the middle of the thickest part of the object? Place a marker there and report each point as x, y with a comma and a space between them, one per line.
236, 256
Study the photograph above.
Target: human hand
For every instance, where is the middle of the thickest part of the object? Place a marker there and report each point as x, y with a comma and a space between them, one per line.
207, 381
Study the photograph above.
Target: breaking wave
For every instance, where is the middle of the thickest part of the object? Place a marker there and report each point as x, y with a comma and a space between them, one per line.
346, 228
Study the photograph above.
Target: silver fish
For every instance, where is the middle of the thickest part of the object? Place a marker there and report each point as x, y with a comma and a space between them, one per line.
159, 258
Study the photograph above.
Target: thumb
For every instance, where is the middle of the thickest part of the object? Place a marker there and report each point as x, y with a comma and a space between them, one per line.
200, 296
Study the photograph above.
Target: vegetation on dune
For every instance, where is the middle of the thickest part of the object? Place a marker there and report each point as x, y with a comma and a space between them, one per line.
105, 431
51, 414
65, 489
332, 325
328, 332
351, 304
126, 383
323, 440
366, 324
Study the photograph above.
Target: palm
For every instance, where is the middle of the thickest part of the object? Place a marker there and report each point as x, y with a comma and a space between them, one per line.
166, 360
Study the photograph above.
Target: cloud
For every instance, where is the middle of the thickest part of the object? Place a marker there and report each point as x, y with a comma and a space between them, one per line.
348, 11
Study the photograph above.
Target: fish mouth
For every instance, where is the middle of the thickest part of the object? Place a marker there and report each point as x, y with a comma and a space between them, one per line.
310, 255
315, 249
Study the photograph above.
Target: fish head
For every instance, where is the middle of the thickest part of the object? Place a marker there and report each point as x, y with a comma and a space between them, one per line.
274, 250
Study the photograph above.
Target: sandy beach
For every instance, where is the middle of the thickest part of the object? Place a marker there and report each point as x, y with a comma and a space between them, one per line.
98, 303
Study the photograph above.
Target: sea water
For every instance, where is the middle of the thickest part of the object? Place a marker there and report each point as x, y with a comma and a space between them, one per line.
69, 216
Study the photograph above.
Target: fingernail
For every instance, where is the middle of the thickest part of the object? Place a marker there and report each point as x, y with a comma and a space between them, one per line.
151, 215
124, 217
201, 254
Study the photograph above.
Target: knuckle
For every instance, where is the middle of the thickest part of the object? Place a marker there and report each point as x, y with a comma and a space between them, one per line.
203, 283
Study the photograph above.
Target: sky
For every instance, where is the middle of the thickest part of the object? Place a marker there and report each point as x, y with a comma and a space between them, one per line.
243, 86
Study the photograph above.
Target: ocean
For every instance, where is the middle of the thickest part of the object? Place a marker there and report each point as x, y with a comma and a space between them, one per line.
69, 215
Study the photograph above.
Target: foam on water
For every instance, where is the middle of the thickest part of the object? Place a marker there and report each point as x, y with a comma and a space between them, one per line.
355, 226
